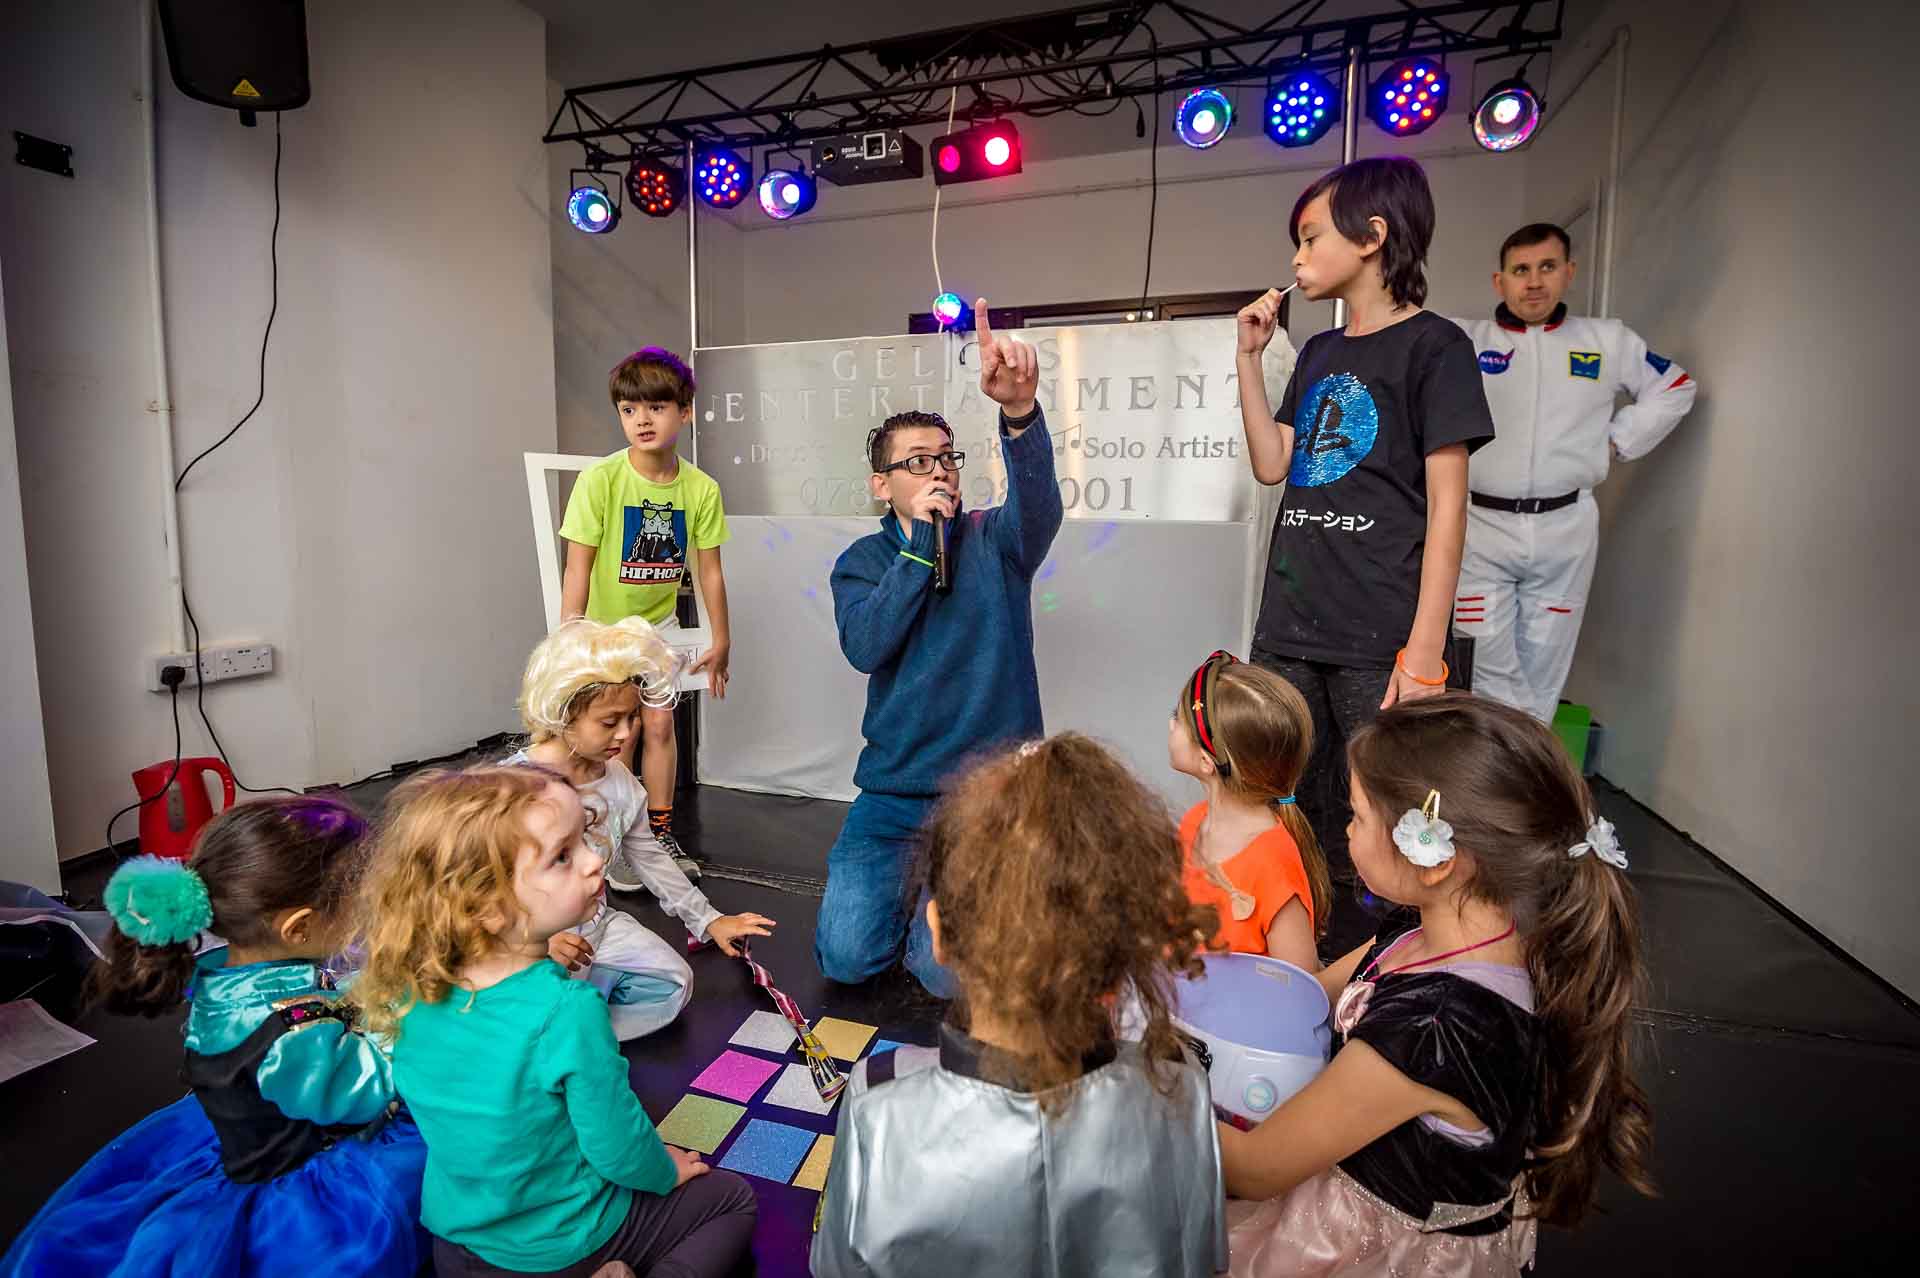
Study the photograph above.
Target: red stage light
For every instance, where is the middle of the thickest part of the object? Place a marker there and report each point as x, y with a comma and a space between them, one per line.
989, 150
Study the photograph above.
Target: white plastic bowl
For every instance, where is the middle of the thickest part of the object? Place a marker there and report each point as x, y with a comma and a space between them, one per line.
1263, 1024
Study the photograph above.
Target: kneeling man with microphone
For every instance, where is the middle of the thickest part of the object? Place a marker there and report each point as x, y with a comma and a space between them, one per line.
936, 608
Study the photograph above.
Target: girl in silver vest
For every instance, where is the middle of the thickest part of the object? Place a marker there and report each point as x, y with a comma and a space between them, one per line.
1030, 1141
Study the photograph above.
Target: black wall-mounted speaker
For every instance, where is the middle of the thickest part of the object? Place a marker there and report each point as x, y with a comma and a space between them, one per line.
250, 55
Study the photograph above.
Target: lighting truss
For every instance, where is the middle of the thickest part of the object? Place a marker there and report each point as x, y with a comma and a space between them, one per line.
1088, 59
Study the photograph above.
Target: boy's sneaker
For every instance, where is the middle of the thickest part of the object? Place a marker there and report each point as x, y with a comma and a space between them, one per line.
621, 876
688, 866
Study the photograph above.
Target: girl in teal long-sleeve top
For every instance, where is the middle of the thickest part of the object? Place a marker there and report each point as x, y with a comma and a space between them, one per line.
287, 1156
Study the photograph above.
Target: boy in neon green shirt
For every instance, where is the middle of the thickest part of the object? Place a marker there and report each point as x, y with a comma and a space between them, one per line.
632, 523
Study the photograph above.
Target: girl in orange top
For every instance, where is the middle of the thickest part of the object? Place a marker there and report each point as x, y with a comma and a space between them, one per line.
1245, 734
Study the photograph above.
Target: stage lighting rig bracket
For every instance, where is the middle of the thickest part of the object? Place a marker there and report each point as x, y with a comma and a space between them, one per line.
1087, 59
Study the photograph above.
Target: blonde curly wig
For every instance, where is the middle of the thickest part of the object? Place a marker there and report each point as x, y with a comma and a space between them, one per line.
583, 658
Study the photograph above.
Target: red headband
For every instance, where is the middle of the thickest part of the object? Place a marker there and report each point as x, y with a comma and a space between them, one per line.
1201, 693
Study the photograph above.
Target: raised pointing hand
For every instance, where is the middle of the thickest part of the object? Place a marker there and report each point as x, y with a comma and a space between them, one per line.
1009, 368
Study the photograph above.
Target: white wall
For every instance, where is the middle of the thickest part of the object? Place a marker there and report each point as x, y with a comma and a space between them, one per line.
1749, 641
370, 520
26, 801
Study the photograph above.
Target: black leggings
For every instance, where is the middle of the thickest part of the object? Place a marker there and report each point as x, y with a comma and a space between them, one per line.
1342, 699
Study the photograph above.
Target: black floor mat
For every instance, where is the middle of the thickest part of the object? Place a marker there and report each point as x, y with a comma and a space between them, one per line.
1785, 1080
1719, 950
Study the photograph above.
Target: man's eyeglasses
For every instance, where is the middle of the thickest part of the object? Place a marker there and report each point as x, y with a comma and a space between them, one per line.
922, 463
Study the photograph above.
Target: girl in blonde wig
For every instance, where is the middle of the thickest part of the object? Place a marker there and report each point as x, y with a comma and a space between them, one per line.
580, 701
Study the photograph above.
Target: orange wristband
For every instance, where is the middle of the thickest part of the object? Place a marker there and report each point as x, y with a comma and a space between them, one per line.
1400, 660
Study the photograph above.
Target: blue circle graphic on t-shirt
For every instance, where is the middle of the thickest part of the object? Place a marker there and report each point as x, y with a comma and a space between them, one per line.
1333, 431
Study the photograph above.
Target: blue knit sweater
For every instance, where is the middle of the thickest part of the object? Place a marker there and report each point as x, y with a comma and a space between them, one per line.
952, 675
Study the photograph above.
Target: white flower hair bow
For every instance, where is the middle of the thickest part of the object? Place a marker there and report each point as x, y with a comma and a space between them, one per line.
1422, 837
1602, 843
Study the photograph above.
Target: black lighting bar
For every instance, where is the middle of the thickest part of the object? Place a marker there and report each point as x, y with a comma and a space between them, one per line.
1087, 59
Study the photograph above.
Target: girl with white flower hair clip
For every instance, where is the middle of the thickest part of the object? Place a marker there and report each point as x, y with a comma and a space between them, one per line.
1481, 1081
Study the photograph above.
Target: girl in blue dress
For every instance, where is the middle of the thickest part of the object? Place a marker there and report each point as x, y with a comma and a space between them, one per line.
288, 1155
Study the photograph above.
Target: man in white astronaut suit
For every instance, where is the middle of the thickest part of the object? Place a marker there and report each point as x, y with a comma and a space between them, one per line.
1532, 525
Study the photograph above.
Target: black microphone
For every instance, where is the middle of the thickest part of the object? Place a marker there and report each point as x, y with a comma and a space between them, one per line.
942, 573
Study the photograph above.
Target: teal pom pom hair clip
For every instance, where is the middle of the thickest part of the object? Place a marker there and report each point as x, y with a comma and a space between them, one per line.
157, 901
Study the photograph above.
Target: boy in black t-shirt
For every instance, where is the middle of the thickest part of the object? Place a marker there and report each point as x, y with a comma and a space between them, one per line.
1372, 442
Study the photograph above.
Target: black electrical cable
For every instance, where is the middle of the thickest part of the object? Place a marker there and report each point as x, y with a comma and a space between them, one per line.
274, 252
1153, 196
173, 688
199, 676
200, 704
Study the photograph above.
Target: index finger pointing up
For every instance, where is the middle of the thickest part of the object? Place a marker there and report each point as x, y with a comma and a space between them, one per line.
982, 325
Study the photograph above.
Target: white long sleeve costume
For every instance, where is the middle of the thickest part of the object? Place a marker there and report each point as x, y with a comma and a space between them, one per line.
1525, 576
645, 979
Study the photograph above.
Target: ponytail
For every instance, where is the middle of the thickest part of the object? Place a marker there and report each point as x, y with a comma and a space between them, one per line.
1524, 815
159, 907
1583, 954
252, 862
140, 980
1313, 860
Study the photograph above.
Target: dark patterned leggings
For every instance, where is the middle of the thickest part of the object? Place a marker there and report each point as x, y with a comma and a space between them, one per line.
1342, 699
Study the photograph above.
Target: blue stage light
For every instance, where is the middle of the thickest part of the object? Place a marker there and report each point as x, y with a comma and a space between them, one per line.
590, 209
786, 193
1507, 115
1301, 107
1203, 118
722, 176
1408, 97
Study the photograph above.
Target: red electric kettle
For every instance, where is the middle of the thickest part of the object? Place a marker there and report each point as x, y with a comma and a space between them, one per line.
169, 824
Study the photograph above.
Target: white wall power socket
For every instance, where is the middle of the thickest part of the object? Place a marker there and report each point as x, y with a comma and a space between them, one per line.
217, 664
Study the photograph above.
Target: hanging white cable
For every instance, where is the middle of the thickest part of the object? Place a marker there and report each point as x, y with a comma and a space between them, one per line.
953, 99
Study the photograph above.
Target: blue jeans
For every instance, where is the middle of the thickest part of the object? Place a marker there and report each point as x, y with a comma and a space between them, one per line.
865, 908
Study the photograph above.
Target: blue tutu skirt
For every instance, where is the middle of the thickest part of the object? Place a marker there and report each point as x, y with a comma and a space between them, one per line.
156, 1203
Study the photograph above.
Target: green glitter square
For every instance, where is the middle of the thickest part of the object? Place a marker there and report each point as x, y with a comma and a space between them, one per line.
700, 1123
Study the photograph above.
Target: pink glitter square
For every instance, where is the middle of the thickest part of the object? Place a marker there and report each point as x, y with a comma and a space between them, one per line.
736, 1075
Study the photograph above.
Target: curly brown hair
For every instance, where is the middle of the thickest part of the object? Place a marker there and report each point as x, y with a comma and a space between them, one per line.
1058, 879
1517, 805
442, 865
